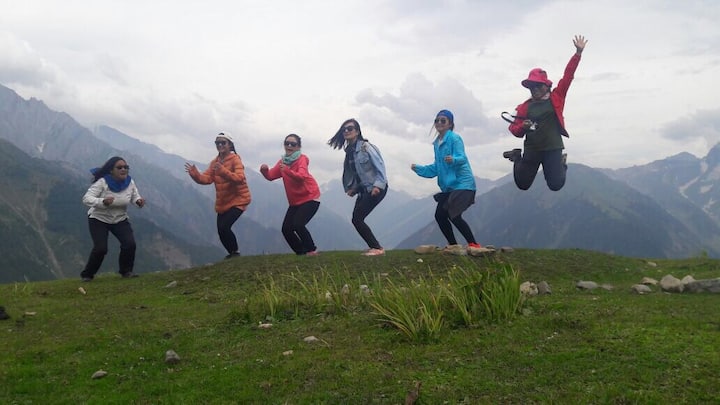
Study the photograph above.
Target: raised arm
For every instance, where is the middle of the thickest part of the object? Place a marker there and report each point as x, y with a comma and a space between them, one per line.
579, 41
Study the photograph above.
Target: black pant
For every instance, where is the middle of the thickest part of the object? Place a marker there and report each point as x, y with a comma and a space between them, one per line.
225, 222
364, 204
525, 169
99, 234
294, 230
445, 222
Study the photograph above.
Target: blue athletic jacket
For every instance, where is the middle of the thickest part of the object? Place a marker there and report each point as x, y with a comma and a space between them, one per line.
451, 176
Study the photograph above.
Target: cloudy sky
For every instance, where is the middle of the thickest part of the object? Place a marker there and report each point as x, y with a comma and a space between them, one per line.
175, 72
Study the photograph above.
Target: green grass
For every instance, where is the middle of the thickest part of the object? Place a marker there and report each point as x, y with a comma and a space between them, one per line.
605, 347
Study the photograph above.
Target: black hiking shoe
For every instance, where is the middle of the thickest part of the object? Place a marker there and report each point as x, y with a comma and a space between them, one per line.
129, 274
231, 255
513, 155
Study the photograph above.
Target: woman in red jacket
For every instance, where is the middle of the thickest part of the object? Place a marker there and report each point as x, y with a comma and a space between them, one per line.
232, 195
540, 120
302, 192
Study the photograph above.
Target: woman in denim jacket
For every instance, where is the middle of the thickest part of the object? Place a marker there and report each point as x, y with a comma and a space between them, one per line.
364, 176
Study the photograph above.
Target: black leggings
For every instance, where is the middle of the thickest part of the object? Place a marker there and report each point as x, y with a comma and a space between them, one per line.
442, 217
294, 230
364, 204
225, 222
99, 233
525, 169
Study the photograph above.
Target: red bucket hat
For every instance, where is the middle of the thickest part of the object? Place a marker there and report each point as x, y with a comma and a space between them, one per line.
536, 75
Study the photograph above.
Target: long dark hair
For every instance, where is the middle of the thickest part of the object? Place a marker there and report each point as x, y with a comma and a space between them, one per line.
232, 146
338, 140
106, 168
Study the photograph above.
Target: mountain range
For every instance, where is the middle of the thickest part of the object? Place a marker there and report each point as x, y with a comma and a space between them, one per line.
665, 209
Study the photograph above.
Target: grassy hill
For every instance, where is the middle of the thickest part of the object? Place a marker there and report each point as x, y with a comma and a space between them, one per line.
600, 346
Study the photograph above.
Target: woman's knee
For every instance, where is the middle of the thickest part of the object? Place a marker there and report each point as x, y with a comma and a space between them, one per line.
288, 228
555, 183
523, 183
442, 218
225, 232
99, 250
358, 220
556, 186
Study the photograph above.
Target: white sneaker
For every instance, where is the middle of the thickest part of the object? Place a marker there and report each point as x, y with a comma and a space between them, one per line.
458, 250
425, 249
374, 252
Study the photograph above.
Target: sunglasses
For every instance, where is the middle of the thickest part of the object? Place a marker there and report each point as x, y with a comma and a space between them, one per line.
441, 121
220, 143
126, 167
349, 128
291, 144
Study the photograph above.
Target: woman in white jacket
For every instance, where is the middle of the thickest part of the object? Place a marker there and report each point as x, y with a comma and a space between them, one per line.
109, 196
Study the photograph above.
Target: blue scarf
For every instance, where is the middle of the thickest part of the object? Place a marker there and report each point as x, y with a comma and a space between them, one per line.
289, 159
117, 186
114, 185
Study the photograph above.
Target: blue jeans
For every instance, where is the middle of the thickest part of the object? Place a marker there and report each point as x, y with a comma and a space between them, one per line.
525, 169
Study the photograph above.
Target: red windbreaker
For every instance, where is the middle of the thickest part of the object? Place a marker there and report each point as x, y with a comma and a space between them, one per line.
557, 98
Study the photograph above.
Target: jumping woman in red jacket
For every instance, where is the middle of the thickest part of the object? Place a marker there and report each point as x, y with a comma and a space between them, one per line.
540, 120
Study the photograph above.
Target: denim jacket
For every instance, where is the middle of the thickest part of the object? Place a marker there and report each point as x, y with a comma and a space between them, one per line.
369, 168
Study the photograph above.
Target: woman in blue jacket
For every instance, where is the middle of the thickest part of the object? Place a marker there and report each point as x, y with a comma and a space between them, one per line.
455, 178
364, 176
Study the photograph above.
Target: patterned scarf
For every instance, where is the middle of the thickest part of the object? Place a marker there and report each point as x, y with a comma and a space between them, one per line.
289, 159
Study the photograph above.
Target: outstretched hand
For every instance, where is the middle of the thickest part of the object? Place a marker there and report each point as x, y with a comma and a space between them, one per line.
579, 43
189, 167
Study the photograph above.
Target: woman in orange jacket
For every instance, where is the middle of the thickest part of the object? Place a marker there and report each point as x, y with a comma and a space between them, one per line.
232, 195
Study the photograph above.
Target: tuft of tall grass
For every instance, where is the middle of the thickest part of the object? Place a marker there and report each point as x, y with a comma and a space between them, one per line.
272, 296
501, 297
463, 291
419, 307
297, 293
415, 310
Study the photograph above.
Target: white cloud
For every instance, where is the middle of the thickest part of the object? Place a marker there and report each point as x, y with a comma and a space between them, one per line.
22, 65
174, 73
